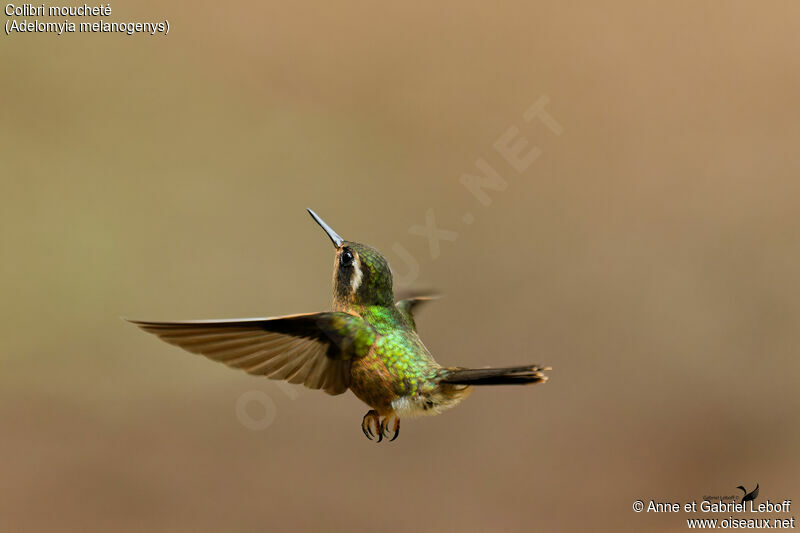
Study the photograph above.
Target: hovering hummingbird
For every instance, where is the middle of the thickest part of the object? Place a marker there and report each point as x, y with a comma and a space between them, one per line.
367, 343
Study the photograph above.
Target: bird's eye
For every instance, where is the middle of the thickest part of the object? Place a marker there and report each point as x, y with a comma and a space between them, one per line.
346, 258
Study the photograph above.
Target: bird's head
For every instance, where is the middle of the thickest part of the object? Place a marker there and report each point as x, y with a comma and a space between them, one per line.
361, 275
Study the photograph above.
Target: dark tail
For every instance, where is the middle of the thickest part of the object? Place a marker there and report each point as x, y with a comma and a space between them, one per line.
515, 375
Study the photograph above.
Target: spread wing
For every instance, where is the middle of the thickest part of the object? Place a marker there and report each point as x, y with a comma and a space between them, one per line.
314, 349
408, 305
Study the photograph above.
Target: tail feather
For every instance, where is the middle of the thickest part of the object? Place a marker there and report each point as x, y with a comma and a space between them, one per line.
515, 375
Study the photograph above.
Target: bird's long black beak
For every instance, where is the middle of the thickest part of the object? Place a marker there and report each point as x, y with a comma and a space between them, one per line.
337, 241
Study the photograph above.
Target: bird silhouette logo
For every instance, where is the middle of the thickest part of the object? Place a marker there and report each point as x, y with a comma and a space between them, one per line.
748, 496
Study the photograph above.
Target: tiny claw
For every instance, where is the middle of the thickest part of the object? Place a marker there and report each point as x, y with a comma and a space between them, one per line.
366, 424
396, 429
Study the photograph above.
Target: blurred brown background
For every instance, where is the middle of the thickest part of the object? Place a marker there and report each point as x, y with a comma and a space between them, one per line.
650, 255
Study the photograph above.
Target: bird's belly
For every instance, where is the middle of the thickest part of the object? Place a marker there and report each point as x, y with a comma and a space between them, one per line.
431, 403
405, 386
374, 384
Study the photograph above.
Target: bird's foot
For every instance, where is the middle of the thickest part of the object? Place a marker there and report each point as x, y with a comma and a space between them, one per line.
395, 427
373, 419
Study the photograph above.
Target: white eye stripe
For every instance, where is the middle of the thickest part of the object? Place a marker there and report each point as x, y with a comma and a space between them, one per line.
355, 279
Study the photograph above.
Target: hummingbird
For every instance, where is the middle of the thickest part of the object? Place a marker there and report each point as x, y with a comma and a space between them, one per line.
367, 343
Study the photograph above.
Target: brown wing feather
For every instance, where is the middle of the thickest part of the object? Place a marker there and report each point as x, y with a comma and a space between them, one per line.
293, 348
